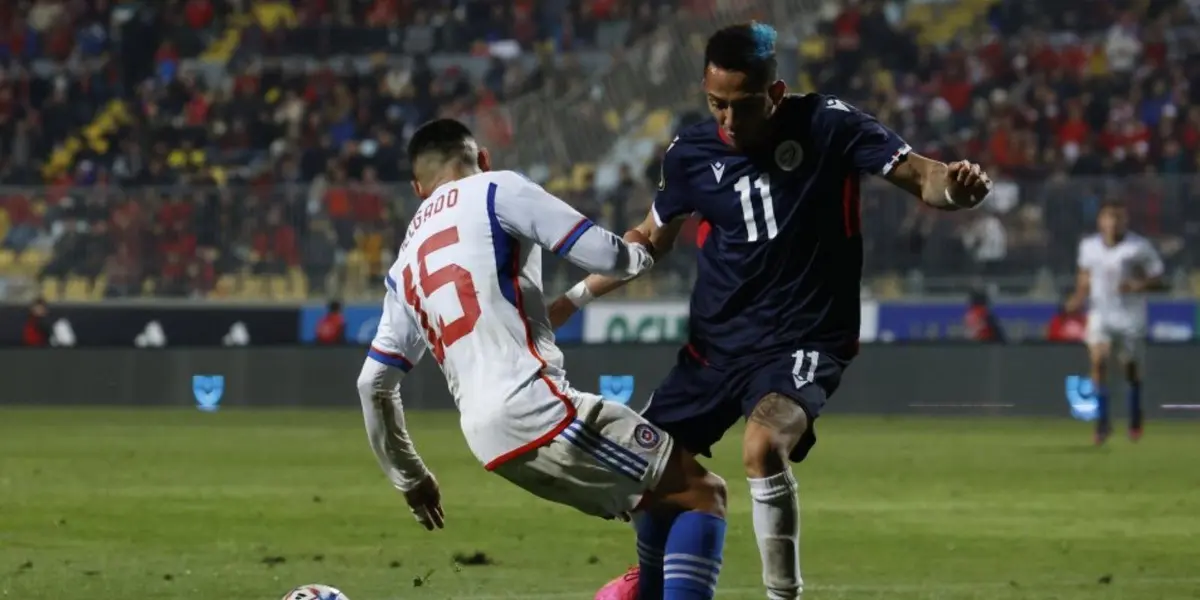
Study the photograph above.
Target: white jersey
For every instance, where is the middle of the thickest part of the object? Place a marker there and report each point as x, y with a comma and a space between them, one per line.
467, 286
1109, 266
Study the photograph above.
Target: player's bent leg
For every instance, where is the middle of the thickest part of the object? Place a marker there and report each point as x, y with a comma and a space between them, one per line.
688, 502
776, 426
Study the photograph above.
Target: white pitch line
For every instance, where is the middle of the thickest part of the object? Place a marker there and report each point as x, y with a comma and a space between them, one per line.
757, 592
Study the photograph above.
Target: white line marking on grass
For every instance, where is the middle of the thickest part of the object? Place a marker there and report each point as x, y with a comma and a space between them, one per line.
756, 592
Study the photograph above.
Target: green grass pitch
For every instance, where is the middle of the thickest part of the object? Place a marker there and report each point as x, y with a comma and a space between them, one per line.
244, 505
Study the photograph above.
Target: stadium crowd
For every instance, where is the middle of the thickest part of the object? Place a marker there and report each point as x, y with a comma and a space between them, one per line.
169, 148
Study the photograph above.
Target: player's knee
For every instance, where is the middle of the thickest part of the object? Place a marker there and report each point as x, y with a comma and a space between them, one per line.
764, 453
710, 493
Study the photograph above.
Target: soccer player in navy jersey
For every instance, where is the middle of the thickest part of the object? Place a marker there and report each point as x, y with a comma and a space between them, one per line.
774, 315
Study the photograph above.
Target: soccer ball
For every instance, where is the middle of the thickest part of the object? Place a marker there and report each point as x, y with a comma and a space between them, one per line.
315, 591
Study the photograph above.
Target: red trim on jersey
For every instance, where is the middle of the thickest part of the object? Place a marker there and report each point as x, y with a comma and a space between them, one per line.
724, 136
695, 353
851, 206
582, 222
703, 228
553, 433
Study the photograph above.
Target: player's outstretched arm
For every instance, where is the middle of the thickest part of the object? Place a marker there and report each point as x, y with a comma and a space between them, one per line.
523, 209
659, 239
397, 346
1083, 284
955, 186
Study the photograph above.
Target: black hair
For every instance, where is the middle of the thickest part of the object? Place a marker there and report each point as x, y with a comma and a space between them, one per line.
447, 137
1112, 204
746, 48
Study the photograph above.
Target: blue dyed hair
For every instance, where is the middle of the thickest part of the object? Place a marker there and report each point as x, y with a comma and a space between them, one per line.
764, 40
746, 48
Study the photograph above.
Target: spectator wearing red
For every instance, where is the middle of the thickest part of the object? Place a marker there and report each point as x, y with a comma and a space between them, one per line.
1066, 326
980, 322
36, 332
331, 329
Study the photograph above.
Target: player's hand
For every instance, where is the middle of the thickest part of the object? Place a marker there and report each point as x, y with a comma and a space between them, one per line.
1130, 286
967, 183
560, 310
425, 501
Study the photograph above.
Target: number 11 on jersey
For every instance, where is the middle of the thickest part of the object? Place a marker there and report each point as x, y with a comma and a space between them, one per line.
745, 190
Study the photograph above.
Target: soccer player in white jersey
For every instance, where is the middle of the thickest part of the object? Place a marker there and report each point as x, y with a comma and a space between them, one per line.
467, 287
1116, 267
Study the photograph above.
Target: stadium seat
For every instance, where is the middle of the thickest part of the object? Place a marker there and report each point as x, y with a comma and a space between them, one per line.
51, 287
254, 287
31, 261
226, 287
77, 290
148, 287
279, 287
8, 261
1194, 282
98, 287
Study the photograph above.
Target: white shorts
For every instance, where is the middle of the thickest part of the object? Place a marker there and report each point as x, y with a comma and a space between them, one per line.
1127, 340
602, 463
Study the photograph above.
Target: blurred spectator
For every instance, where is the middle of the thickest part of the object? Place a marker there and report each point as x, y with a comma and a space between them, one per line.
980, 322
37, 330
1066, 326
331, 329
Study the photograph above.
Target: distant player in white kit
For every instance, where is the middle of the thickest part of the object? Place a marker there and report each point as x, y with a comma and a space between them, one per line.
467, 287
1116, 267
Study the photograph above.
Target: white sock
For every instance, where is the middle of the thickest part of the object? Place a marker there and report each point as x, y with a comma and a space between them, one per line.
777, 527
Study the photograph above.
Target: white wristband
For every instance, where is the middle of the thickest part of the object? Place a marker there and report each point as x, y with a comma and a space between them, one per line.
579, 295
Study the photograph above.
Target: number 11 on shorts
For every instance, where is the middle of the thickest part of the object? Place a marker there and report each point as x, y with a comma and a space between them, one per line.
804, 370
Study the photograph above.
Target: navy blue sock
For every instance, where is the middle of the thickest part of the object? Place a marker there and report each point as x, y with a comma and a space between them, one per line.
652, 533
693, 560
1135, 405
1102, 422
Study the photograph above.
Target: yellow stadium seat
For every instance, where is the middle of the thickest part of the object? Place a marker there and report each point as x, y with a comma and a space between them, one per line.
149, 287
50, 289
77, 289
254, 287
8, 260
98, 287
657, 125
278, 287
1194, 282
32, 261
226, 287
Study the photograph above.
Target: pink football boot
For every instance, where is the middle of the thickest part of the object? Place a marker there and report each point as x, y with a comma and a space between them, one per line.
624, 587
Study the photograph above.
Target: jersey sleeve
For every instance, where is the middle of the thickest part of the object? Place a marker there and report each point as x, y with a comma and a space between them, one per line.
870, 146
1151, 262
1084, 259
525, 210
398, 341
672, 199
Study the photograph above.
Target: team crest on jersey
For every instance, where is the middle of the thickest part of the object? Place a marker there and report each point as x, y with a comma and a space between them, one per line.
647, 436
789, 155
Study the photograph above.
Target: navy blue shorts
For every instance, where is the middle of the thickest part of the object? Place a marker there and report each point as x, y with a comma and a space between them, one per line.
697, 402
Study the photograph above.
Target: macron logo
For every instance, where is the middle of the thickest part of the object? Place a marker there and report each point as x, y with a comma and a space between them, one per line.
718, 170
836, 104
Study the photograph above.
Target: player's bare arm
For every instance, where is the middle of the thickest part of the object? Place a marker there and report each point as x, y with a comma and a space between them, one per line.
955, 186
1083, 285
387, 433
658, 239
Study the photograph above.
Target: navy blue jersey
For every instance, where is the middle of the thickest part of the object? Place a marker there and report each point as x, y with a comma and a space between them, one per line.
782, 265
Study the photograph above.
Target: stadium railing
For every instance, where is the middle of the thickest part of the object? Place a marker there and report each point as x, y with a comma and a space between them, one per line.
315, 240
